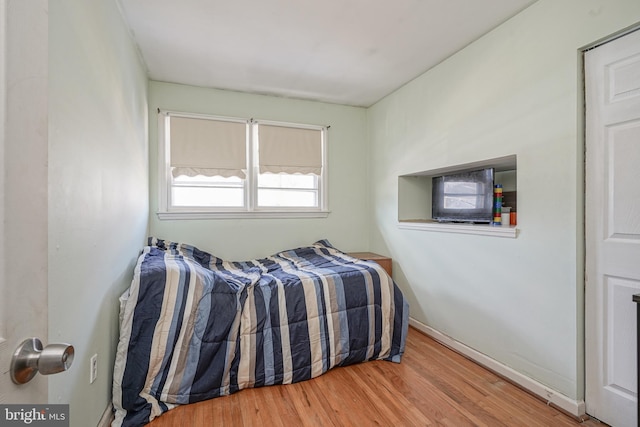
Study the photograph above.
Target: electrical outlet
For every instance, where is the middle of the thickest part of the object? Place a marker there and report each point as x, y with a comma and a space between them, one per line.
93, 368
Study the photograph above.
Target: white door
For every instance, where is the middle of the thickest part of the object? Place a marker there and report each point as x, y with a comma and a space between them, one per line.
23, 188
612, 77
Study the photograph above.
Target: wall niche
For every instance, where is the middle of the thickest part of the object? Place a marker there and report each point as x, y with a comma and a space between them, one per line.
415, 189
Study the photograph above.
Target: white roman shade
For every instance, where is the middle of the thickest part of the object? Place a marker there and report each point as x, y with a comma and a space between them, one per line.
289, 150
208, 147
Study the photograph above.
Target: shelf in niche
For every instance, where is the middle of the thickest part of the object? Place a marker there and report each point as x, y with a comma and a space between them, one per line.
447, 227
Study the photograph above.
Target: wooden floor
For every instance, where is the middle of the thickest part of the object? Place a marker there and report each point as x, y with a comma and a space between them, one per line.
432, 386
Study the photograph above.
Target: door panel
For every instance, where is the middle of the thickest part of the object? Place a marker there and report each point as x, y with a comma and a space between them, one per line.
623, 142
619, 333
24, 148
612, 80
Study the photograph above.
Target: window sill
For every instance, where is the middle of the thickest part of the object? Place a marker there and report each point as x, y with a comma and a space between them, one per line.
241, 214
510, 231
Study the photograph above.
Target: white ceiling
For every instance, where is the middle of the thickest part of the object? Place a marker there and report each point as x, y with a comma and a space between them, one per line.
351, 52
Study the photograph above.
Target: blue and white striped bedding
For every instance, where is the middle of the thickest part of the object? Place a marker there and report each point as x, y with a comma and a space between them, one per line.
194, 327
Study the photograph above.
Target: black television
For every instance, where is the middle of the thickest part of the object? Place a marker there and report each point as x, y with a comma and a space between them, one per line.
463, 197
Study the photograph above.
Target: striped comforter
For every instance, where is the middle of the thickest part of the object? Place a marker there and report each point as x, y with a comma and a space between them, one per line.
194, 327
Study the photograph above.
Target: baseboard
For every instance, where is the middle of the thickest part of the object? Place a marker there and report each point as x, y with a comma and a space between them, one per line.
572, 407
107, 417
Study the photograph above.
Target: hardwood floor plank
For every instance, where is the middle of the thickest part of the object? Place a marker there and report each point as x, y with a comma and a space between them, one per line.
381, 378
433, 386
386, 411
307, 403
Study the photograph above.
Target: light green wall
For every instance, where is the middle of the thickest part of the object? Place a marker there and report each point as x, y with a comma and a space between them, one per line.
517, 91
347, 225
98, 190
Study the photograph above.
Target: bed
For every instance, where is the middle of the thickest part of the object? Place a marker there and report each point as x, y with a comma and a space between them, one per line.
195, 327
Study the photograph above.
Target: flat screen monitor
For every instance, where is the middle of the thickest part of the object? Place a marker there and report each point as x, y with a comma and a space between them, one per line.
463, 197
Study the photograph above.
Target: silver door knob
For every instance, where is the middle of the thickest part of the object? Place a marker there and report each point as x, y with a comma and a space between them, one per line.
30, 358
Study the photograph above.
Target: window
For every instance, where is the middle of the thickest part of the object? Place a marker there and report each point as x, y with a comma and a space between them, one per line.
230, 167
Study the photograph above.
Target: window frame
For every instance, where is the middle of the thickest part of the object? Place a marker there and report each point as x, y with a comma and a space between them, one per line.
250, 209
